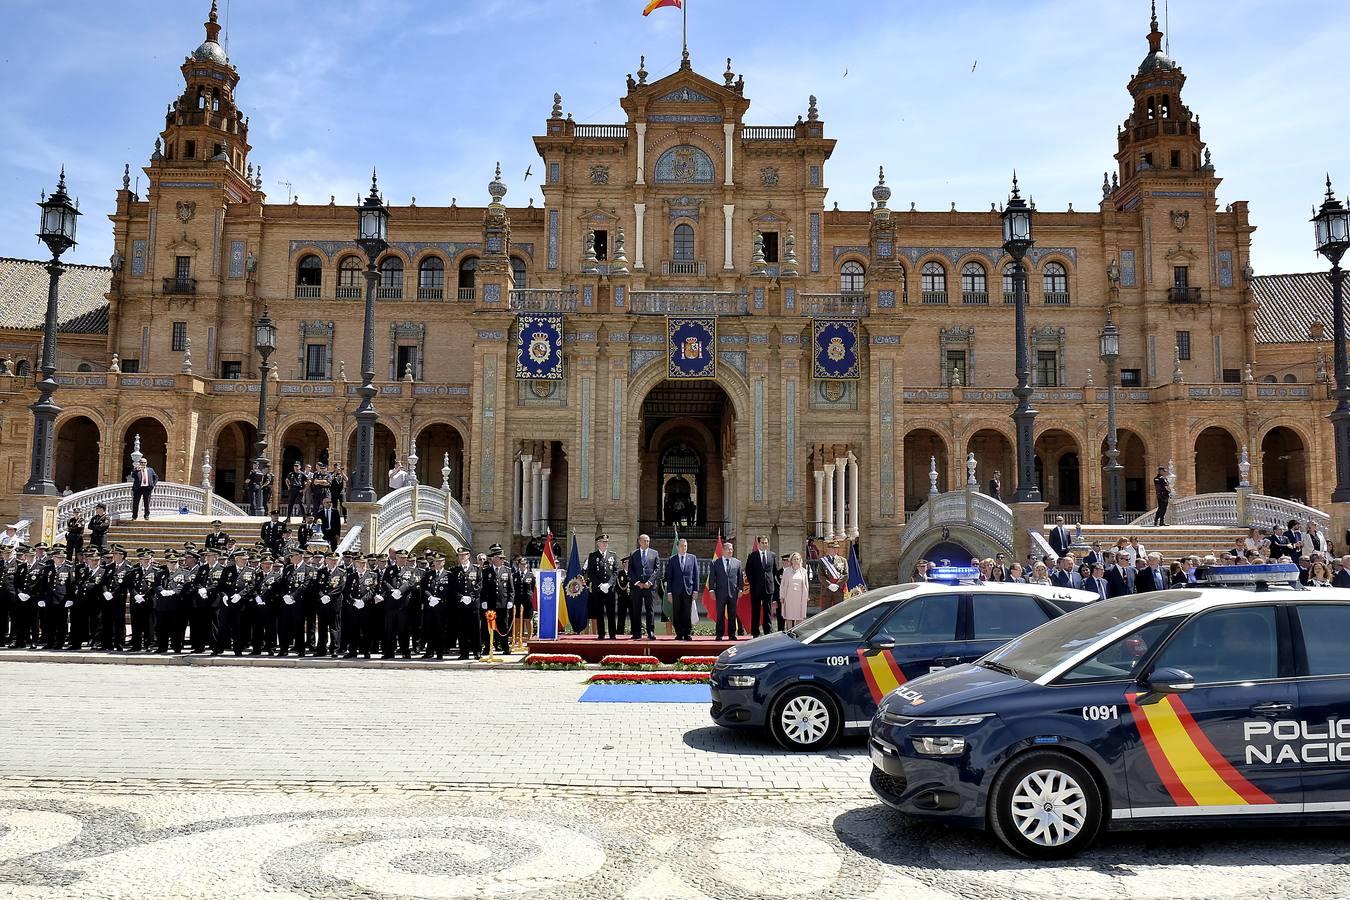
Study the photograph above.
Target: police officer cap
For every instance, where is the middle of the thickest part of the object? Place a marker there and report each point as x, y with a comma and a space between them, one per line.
275, 512
349, 554
118, 548
89, 551
238, 553
602, 537
41, 545
495, 550
401, 554
146, 554
216, 522
192, 554
330, 555
295, 551
25, 548
466, 551
189, 545
372, 557
59, 550
212, 551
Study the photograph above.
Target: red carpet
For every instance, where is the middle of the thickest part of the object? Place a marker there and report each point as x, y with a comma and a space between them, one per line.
664, 647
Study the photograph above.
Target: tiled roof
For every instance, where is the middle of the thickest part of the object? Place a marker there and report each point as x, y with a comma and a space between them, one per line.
1288, 306
82, 306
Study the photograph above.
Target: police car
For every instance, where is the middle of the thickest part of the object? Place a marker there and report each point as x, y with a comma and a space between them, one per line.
1207, 704
827, 675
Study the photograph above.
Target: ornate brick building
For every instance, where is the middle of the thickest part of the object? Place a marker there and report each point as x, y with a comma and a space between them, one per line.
849, 347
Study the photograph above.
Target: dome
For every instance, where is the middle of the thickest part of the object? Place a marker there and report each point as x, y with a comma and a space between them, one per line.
1157, 61
210, 51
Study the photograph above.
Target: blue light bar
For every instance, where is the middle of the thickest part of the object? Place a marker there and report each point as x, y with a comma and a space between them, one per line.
953, 573
1271, 572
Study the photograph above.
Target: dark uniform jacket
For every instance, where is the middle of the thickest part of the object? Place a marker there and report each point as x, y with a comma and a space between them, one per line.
216, 540
466, 587
522, 586
602, 573
145, 583
177, 589
332, 583
497, 593
364, 586
437, 587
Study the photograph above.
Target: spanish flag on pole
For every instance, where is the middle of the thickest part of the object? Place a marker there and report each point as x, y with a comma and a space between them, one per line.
548, 564
657, 4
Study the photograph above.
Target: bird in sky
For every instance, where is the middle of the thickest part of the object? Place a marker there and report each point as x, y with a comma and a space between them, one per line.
846, 73
972, 68
528, 170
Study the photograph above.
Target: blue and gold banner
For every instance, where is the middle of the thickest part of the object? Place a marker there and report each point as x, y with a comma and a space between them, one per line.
539, 353
692, 346
834, 348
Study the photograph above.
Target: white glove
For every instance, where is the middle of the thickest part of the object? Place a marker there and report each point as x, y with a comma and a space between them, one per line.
834, 587
288, 600
484, 604
140, 598
379, 598
325, 599
166, 593
260, 601
234, 599
604, 589
69, 604
107, 595
433, 602
42, 604
24, 597
466, 600
201, 592
396, 594
359, 604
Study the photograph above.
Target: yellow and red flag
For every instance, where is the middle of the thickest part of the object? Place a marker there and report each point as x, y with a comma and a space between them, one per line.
657, 4
709, 601
881, 672
547, 563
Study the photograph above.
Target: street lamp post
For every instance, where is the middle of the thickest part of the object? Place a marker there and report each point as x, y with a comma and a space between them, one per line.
264, 341
1331, 225
373, 236
1110, 352
1017, 240
56, 229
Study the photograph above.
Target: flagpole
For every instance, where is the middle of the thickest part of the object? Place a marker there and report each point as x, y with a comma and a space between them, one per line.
684, 8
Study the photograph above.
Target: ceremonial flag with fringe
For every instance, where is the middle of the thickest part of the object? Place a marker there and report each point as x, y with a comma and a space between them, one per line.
578, 594
547, 563
856, 584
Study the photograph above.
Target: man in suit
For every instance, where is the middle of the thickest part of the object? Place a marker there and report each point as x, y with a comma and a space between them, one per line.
1095, 557
330, 522
1342, 578
1064, 576
682, 581
1297, 540
996, 485
602, 577
1152, 577
1119, 576
643, 564
217, 538
1096, 582
728, 577
143, 480
1162, 493
1060, 538
764, 572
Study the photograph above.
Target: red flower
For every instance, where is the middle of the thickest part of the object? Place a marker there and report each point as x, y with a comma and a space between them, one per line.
648, 677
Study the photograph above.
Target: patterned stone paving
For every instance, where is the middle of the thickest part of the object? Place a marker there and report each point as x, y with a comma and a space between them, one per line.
152, 784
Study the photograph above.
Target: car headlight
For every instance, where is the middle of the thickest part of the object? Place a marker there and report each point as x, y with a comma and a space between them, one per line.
741, 681
748, 667
934, 722
939, 746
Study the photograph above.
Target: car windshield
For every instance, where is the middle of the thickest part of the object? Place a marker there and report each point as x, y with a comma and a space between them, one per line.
1037, 652
840, 611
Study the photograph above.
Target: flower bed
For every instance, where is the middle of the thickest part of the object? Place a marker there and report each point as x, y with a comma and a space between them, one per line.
648, 678
630, 663
695, 663
554, 661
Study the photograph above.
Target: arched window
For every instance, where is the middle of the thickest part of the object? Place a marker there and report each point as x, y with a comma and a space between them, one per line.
1009, 288
309, 277
974, 284
1270, 379
1291, 378
851, 276
468, 276
349, 278
934, 279
1055, 284
85, 367
431, 279
21, 369
518, 274
684, 243
391, 279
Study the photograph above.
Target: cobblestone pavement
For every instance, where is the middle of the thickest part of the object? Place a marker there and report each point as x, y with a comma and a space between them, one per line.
146, 783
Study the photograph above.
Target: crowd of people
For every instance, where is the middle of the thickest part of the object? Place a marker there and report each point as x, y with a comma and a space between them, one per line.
1129, 567
221, 599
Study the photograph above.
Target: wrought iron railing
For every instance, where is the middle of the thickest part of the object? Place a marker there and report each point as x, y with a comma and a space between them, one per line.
180, 286
1184, 294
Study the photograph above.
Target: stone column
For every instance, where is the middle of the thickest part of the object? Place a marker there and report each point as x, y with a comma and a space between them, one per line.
729, 130
853, 493
827, 531
641, 173
517, 485
537, 512
639, 215
820, 503
728, 210
544, 475
526, 504
840, 472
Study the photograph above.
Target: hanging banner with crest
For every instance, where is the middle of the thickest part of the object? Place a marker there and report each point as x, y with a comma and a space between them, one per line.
692, 346
539, 352
834, 347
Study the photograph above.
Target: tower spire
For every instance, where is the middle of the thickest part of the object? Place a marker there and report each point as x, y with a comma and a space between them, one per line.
213, 23
1155, 35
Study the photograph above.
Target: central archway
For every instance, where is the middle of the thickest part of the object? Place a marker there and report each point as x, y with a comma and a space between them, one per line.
687, 444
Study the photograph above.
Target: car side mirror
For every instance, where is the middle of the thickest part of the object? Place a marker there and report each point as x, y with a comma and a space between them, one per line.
881, 642
1169, 681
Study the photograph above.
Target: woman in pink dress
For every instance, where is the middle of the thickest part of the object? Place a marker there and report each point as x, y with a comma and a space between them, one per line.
794, 590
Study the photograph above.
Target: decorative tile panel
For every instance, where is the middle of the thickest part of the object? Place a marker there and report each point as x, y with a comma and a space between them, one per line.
215, 241
791, 339
686, 120
759, 339
684, 164
886, 299
585, 457
815, 176
685, 95
639, 358
237, 259
492, 293
619, 297
1226, 268
886, 414
790, 439
492, 335
860, 249
733, 358
1128, 278
881, 339
732, 340
553, 239
487, 453
494, 244
759, 440
790, 298
637, 337
616, 424
815, 241
885, 249
588, 296
137, 259
759, 298
554, 173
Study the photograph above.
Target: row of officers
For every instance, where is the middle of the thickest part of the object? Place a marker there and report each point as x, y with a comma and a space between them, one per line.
252, 602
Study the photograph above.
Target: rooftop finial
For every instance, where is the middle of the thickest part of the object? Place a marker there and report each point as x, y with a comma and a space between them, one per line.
1014, 191
642, 70
215, 12
61, 183
1330, 195
1153, 23
126, 177
374, 182
213, 24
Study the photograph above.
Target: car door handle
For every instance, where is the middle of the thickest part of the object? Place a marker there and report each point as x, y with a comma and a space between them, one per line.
947, 661
1272, 709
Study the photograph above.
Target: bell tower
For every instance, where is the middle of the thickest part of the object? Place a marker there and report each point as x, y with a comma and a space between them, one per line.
1161, 137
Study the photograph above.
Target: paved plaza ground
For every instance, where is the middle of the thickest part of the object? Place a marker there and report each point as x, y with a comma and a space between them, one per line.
181, 782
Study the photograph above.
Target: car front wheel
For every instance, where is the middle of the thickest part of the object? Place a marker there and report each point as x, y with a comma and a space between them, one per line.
805, 718
1045, 806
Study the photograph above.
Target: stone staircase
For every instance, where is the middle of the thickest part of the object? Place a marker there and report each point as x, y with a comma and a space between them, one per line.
171, 532
1172, 541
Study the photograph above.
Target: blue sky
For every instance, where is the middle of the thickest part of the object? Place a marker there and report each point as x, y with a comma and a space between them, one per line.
435, 92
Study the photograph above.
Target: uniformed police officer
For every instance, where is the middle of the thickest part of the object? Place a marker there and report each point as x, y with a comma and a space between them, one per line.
23, 619
231, 630
331, 589
273, 534
262, 611
602, 576
217, 538
499, 597
173, 600
465, 591
64, 590
402, 583
10, 565
436, 613
219, 584
143, 586
117, 588
291, 612
88, 576
359, 606
522, 589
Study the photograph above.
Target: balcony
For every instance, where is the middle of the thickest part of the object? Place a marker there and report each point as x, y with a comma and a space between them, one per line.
468, 293
544, 300
602, 131
429, 293
308, 291
180, 285
1010, 297
933, 298
683, 267
1056, 298
768, 133
710, 303
975, 298
349, 292
390, 293
849, 305
1184, 294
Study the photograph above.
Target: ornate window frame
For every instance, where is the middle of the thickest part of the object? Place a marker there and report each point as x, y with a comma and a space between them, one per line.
1047, 337
402, 334
956, 337
315, 332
